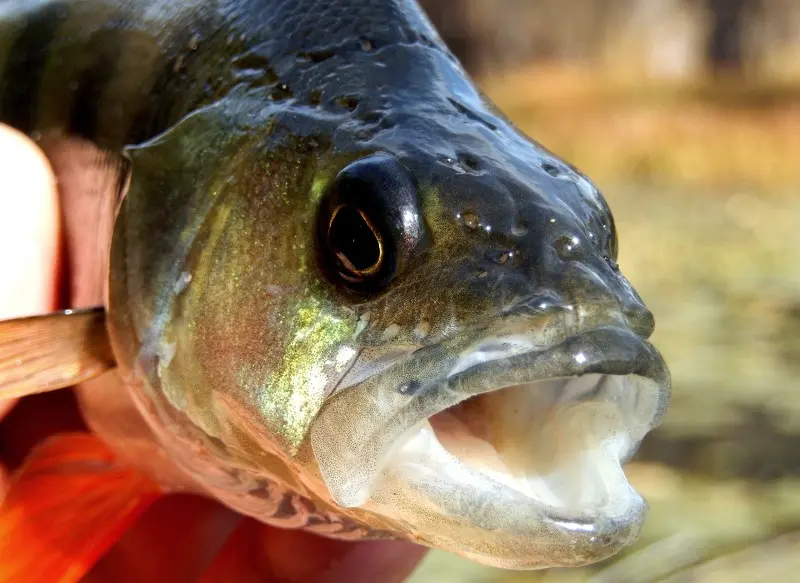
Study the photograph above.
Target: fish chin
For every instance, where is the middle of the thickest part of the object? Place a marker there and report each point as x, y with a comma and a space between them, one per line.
520, 475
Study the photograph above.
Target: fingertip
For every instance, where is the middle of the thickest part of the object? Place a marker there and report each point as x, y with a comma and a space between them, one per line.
303, 557
29, 228
385, 561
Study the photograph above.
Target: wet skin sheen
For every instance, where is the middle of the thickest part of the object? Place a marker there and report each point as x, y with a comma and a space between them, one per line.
322, 218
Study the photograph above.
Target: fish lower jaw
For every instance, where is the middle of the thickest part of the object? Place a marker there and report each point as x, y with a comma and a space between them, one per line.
524, 477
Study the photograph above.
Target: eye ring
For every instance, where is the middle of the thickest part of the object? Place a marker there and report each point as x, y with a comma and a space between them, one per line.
369, 226
371, 260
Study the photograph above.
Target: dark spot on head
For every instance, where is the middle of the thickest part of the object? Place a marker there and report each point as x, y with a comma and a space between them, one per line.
280, 92
367, 45
348, 102
470, 219
551, 169
468, 162
471, 114
425, 40
250, 61
315, 56
315, 97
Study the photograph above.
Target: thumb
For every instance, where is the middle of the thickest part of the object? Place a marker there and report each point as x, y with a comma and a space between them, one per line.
29, 230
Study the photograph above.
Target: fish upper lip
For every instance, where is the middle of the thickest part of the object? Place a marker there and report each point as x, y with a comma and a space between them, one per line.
608, 350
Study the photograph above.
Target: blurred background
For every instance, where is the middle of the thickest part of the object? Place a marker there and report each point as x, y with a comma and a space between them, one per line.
686, 113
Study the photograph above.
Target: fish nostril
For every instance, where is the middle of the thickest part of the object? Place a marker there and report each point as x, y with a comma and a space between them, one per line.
640, 319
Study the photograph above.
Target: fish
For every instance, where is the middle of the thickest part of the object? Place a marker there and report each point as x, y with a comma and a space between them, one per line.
343, 292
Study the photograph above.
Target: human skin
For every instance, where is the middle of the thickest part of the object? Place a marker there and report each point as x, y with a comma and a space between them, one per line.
180, 537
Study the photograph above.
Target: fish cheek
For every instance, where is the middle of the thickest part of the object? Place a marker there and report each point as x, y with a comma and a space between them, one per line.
222, 329
255, 343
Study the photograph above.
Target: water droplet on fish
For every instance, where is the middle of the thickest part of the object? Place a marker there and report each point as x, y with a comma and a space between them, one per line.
568, 246
182, 283
281, 92
470, 220
410, 387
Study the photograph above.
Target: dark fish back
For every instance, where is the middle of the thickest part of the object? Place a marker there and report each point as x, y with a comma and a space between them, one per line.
121, 71
95, 68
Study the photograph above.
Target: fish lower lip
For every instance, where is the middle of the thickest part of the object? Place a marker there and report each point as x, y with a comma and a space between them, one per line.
567, 502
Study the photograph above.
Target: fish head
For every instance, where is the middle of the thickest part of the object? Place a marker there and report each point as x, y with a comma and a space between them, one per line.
501, 374
421, 326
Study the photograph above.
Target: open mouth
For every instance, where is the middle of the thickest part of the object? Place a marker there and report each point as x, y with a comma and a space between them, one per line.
510, 455
560, 442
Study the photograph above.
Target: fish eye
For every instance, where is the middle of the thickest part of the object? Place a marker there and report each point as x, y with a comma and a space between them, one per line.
369, 225
356, 242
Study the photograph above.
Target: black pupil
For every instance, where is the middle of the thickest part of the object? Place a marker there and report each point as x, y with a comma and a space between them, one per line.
353, 240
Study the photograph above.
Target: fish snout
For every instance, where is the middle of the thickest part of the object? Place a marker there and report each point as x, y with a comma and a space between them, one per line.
638, 317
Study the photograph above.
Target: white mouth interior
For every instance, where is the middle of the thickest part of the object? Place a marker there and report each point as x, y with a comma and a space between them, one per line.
560, 442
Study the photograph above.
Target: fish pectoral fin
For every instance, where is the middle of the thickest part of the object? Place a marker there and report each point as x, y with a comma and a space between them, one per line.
66, 506
53, 351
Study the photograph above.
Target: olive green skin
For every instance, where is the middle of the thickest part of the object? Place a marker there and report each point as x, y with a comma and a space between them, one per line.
220, 295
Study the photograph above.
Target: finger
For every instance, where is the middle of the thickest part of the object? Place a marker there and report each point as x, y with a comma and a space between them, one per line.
303, 557
89, 182
29, 230
256, 552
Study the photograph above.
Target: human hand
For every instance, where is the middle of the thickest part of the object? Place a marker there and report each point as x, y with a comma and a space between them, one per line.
181, 538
